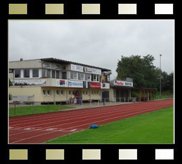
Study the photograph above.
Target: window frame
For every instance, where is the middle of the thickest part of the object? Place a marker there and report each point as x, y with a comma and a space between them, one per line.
33, 72
19, 73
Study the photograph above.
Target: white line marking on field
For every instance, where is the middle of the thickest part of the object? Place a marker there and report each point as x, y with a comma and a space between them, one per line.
27, 128
72, 130
50, 129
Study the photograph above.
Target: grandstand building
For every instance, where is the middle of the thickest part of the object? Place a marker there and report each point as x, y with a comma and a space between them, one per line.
56, 80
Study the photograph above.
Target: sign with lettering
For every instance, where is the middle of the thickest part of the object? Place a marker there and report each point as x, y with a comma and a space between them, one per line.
123, 83
93, 70
77, 84
76, 68
94, 85
29, 82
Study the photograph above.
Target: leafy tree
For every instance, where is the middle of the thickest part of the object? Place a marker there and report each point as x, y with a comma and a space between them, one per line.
140, 69
10, 83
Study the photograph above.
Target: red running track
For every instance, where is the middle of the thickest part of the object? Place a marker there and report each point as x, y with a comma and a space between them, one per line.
43, 127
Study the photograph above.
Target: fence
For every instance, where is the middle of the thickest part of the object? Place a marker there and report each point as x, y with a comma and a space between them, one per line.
17, 108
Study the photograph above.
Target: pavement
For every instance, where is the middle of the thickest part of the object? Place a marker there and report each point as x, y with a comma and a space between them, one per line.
95, 105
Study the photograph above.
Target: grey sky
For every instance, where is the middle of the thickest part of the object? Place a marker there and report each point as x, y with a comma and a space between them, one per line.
95, 42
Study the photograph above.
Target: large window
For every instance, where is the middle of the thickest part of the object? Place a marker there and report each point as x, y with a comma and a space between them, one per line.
35, 73
17, 73
57, 74
80, 76
26, 73
44, 73
94, 77
73, 75
64, 76
87, 77
49, 73
53, 74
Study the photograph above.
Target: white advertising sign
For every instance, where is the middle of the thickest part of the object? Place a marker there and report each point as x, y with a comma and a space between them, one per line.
29, 82
76, 68
93, 70
123, 83
105, 86
62, 83
77, 84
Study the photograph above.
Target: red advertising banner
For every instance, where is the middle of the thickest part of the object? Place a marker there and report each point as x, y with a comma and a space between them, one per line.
94, 85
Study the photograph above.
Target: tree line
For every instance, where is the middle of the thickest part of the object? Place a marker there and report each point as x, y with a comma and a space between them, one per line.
144, 73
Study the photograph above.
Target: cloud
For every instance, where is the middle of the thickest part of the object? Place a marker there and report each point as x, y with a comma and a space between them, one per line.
95, 42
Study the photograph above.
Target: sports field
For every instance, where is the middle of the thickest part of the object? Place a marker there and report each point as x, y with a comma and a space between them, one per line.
41, 128
153, 127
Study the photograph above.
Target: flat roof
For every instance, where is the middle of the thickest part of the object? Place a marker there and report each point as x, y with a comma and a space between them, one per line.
60, 61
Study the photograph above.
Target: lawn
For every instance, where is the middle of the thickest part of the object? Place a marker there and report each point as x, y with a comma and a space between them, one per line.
149, 128
29, 109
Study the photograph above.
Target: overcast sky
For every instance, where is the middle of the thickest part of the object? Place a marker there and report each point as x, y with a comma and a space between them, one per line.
95, 42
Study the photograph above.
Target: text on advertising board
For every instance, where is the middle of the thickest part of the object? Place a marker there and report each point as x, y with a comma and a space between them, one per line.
94, 85
123, 83
75, 84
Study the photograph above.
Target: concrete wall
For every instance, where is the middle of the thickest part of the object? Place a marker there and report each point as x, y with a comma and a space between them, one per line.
37, 92
25, 64
26, 90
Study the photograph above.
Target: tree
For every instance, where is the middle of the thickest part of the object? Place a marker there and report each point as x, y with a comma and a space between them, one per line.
166, 81
10, 83
140, 69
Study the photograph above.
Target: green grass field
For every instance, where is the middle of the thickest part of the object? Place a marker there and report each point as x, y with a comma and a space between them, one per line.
28, 110
149, 128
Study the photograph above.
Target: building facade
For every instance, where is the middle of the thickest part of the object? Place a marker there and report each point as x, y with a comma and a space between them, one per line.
56, 80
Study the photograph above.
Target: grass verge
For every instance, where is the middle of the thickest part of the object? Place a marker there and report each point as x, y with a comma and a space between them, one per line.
149, 128
28, 110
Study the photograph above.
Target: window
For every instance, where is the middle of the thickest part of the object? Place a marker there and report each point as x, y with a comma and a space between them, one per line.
83, 92
94, 77
73, 75
26, 73
10, 70
69, 92
62, 92
57, 92
53, 74
17, 73
35, 73
57, 74
44, 73
48, 92
64, 76
99, 78
86, 92
87, 76
44, 92
80, 76
48, 73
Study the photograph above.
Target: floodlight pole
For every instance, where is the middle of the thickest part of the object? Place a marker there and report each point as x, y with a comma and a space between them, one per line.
160, 74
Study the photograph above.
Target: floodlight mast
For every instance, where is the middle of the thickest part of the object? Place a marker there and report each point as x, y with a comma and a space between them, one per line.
160, 74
